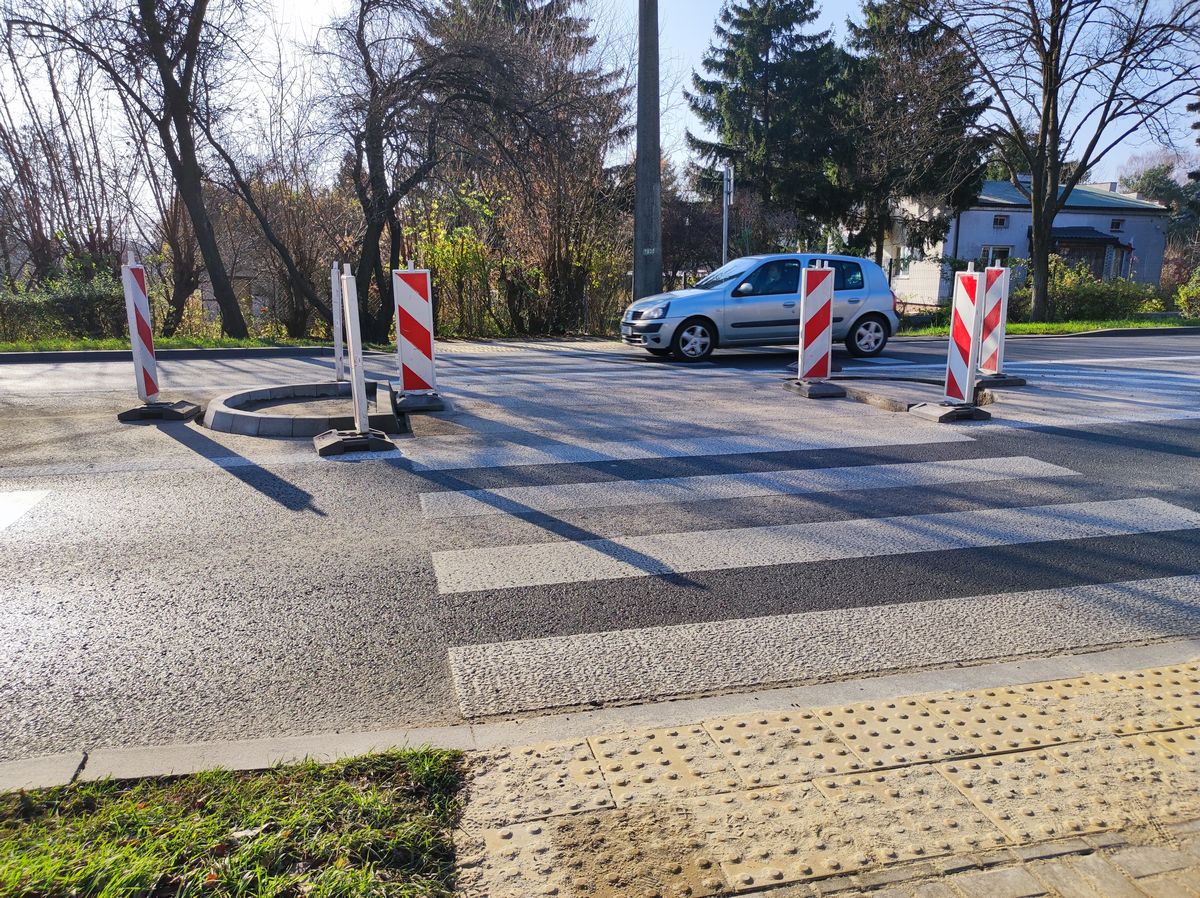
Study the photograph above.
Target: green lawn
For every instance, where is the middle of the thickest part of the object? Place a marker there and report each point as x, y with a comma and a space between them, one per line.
1057, 327
378, 825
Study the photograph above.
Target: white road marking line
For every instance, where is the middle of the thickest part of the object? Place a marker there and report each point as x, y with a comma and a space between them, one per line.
16, 503
539, 564
452, 453
688, 659
514, 500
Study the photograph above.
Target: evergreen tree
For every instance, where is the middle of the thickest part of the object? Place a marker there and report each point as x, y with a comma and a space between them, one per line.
768, 93
909, 125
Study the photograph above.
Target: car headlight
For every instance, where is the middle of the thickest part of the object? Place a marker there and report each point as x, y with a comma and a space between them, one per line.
656, 311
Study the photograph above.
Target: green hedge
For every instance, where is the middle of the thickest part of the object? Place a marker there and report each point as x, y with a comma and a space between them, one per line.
1078, 295
69, 306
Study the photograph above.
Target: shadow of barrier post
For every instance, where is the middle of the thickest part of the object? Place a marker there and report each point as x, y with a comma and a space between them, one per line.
145, 367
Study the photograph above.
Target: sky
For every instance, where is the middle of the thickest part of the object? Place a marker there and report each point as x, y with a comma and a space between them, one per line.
685, 30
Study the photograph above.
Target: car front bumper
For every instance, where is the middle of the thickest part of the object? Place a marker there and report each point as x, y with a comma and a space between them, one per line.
654, 334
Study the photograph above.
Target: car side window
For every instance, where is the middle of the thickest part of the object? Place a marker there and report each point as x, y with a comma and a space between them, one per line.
846, 275
777, 277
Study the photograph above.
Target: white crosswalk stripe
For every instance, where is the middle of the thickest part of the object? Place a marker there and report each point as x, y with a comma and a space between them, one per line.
16, 503
611, 493
539, 564
687, 659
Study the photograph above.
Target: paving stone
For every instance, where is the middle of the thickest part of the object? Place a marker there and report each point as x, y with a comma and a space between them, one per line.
933, 890
1044, 850
1009, 882
766, 837
1173, 885
1180, 748
780, 748
654, 765
1098, 873
1066, 881
895, 733
551, 779
910, 813
1147, 860
997, 720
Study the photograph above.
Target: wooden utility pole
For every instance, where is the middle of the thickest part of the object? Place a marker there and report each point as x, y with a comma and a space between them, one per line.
647, 220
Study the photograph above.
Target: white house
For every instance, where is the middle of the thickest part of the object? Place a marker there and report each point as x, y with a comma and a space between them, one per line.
1115, 234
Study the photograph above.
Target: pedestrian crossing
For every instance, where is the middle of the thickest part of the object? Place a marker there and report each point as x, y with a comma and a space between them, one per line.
16, 503
649, 662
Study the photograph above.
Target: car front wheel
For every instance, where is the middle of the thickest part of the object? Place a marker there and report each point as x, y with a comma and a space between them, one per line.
867, 336
694, 339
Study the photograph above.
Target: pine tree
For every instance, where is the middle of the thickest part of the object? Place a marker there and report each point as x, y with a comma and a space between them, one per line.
767, 93
908, 124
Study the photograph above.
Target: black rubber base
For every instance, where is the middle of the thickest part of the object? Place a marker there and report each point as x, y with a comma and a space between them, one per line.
814, 389
339, 442
418, 402
945, 413
161, 411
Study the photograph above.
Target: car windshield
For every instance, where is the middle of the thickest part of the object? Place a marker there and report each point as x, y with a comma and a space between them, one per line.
725, 273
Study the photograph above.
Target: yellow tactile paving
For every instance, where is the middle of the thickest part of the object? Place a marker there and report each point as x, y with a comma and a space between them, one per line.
767, 837
996, 720
747, 803
773, 749
908, 813
1100, 705
654, 765
895, 733
555, 778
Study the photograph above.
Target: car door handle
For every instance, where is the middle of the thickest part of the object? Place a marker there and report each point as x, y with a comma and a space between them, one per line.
788, 305
853, 301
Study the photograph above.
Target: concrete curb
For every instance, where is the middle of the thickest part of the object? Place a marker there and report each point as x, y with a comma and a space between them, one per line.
226, 414
257, 754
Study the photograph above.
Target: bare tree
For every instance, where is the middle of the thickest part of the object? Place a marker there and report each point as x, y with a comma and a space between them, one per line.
1070, 80
164, 59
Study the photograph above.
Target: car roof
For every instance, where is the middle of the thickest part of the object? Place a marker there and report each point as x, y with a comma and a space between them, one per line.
766, 256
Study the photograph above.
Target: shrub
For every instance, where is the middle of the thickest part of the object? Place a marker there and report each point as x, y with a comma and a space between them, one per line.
1078, 295
1187, 297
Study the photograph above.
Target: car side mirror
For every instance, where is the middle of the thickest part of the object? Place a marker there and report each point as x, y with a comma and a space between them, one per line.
743, 288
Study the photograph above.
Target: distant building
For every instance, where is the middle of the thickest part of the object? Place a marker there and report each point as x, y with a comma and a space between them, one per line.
1115, 234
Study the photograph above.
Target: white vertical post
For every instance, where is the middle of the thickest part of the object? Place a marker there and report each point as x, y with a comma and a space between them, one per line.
358, 383
726, 201
335, 307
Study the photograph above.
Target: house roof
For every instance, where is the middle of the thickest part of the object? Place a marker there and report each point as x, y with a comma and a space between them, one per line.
1083, 235
1003, 193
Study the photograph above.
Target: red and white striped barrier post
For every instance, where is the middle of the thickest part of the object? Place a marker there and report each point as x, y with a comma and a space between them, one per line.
362, 438
412, 291
137, 307
145, 365
816, 335
962, 357
995, 322
336, 309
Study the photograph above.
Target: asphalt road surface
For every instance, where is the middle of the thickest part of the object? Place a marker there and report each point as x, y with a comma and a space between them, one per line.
585, 525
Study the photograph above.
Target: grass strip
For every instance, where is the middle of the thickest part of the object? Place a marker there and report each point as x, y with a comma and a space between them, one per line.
377, 825
1058, 327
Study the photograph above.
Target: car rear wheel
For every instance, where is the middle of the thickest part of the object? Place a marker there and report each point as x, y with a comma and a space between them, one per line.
867, 336
694, 340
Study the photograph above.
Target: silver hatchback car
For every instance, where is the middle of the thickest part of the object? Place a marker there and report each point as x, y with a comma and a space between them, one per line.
755, 301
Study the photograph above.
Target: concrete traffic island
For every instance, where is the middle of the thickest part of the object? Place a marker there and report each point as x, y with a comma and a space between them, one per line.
301, 410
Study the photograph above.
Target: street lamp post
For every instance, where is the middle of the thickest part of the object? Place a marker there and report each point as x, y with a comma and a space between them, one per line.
647, 216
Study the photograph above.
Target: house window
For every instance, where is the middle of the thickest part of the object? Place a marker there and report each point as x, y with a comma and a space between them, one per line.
999, 221
994, 255
908, 255
1117, 225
